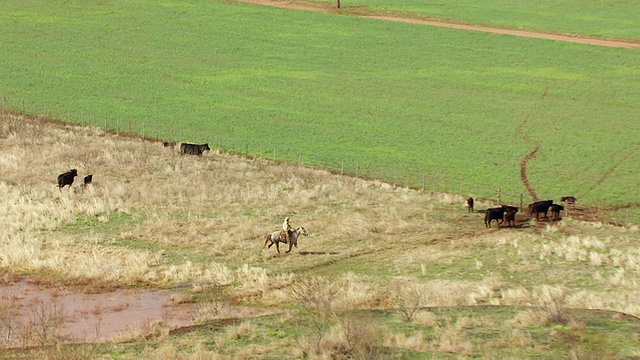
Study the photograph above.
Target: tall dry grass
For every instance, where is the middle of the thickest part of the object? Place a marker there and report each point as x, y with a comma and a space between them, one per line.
156, 218
219, 205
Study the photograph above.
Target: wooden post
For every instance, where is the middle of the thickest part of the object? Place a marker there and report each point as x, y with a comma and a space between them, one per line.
499, 197
341, 167
338, 4
521, 202
357, 169
424, 182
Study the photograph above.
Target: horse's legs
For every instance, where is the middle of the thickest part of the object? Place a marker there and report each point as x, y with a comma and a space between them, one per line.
278, 246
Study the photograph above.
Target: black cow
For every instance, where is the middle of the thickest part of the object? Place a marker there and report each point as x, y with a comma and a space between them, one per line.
539, 207
555, 210
469, 204
88, 179
193, 149
494, 214
510, 215
568, 199
67, 178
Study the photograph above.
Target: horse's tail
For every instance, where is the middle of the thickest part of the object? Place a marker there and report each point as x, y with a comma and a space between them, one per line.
266, 240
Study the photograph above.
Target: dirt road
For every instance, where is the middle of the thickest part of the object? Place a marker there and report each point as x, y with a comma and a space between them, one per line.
330, 8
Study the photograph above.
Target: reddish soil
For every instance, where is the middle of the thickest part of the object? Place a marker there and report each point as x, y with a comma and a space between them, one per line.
96, 316
523, 173
369, 13
85, 317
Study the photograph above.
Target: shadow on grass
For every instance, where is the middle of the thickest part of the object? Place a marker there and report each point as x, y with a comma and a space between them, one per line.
318, 253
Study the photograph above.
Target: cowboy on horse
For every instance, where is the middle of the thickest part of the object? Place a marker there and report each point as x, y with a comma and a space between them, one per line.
286, 230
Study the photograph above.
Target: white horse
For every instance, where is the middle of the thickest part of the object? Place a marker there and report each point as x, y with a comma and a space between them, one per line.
278, 237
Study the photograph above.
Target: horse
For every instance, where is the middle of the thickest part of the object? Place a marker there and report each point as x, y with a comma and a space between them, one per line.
278, 237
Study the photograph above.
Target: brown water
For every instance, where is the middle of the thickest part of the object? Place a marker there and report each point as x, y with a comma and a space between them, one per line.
87, 317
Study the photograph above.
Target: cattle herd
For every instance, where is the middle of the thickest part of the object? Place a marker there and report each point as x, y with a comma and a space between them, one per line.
507, 213
67, 178
501, 214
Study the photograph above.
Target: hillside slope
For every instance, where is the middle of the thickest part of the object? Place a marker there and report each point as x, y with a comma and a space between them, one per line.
427, 275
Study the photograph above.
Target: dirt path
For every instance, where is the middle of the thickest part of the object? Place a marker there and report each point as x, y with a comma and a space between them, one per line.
523, 173
608, 173
368, 13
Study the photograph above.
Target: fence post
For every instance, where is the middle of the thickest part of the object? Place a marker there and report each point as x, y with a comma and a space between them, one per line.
499, 197
394, 179
424, 182
341, 167
274, 154
357, 169
521, 202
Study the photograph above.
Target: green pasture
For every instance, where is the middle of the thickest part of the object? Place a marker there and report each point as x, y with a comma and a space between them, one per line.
591, 18
446, 109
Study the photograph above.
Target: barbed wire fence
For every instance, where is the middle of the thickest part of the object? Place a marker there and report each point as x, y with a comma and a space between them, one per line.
353, 167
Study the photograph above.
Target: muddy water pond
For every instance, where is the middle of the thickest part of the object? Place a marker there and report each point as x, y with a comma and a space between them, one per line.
77, 316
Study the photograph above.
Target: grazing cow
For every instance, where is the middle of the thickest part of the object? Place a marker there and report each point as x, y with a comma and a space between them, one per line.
568, 199
555, 211
169, 144
193, 149
67, 178
510, 215
469, 204
540, 207
494, 214
88, 179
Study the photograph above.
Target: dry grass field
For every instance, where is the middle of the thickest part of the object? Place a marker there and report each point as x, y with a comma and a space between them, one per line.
384, 273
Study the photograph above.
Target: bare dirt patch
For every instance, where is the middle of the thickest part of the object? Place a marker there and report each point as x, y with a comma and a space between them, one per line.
369, 13
85, 317
73, 316
523, 173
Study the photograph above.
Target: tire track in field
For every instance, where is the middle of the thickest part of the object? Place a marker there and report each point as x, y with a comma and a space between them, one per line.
522, 134
610, 171
523, 173
439, 239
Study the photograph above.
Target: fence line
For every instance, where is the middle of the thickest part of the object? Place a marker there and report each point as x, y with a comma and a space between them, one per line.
415, 180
